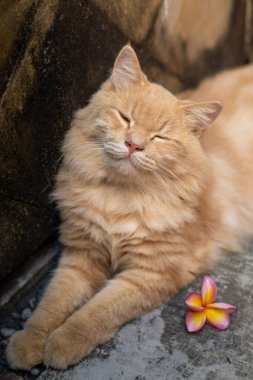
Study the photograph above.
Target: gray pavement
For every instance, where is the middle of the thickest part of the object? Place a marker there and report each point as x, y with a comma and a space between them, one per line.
157, 346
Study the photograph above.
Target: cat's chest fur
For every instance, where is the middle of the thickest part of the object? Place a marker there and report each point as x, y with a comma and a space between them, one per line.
125, 214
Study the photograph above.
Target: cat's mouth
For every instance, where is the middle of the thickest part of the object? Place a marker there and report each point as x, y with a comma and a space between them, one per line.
125, 164
128, 160
122, 157
131, 159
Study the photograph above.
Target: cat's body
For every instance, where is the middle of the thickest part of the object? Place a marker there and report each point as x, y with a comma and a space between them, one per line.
144, 208
228, 144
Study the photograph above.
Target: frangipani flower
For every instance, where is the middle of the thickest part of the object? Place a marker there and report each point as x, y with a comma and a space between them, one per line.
202, 308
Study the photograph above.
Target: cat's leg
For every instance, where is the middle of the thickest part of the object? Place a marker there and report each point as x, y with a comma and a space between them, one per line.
124, 298
76, 280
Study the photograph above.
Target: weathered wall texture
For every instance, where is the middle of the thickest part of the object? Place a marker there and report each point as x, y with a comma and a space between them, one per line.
16, 18
55, 54
194, 38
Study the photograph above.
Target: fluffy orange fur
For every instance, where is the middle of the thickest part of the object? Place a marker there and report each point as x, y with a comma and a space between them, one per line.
146, 200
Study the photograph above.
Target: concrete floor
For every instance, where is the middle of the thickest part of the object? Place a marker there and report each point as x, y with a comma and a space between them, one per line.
157, 346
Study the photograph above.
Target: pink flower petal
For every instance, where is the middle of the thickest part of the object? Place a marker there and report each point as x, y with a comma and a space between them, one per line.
208, 290
225, 306
195, 320
218, 318
194, 302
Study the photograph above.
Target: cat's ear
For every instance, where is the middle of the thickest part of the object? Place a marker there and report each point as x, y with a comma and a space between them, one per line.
200, 115
127, 70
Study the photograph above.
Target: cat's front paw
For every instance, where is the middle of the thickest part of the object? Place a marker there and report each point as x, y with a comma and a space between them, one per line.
24, 350
65, 348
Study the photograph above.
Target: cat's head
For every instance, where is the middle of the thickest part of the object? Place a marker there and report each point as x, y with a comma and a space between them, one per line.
141, 128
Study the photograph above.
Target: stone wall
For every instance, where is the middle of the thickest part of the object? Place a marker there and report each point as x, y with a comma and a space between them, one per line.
55, 54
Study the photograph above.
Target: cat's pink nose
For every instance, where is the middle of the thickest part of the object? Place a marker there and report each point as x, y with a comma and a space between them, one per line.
132, 147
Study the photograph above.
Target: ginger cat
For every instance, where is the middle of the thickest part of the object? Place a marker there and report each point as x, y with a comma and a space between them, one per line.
148, 194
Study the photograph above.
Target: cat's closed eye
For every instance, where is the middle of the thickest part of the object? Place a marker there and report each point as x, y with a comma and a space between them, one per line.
160, 137
125, 118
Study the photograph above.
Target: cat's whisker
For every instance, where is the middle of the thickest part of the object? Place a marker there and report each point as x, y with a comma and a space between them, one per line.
161, 170
166, 181
158, 175
150, 165
166, 169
